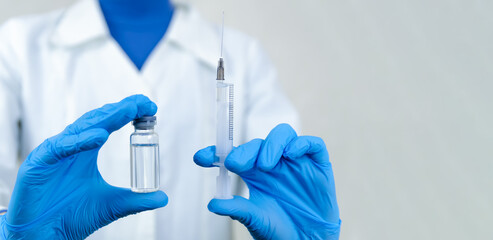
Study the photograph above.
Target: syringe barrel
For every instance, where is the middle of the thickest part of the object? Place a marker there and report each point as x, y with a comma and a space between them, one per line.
224, 135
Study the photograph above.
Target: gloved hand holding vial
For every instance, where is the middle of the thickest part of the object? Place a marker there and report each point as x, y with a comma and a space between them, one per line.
60, 193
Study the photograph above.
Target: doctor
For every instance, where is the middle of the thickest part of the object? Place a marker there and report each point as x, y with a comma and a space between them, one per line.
56, 66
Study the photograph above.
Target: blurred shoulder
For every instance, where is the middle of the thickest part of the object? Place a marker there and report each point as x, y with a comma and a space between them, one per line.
29, 27
22, 37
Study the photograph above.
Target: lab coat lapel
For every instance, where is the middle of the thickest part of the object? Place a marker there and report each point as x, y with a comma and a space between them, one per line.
186, 32
79, 24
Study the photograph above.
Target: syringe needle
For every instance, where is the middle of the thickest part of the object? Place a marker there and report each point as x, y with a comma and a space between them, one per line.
222, 36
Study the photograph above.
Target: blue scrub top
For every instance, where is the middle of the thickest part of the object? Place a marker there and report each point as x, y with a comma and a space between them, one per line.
137, 25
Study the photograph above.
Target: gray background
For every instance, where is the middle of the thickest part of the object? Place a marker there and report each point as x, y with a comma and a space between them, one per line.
401, 93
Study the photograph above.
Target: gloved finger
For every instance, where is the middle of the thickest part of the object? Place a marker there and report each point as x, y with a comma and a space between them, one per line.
274, 145
61, 146
126, 202
243, 158
205, 157
238, 208
115, 115
307, 145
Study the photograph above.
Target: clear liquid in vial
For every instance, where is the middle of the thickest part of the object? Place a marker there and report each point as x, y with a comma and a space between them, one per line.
144, 167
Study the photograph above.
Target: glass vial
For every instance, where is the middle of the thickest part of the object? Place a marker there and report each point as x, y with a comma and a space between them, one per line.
144, 156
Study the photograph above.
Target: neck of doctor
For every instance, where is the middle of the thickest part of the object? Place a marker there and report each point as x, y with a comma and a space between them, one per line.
136, 11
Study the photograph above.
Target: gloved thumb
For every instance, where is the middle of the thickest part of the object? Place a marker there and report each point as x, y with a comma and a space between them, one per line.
238, 208
128, 202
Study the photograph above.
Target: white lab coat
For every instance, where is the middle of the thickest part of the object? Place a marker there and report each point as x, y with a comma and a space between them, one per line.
55, 67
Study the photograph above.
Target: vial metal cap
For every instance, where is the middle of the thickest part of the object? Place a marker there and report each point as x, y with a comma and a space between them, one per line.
145, 122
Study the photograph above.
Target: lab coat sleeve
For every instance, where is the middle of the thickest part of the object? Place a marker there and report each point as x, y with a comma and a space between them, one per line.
267, 105
10, 112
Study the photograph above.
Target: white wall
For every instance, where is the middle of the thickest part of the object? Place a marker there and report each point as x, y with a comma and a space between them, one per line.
401, 91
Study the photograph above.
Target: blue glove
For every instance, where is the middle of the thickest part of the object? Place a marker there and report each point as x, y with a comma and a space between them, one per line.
59, 192
292, 191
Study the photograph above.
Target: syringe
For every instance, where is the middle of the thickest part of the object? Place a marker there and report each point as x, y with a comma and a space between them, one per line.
224, 137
